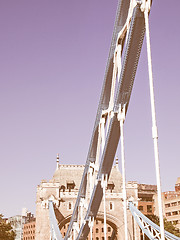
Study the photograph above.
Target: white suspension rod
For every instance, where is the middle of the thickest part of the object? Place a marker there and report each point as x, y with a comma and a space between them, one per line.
104, 185
98, 146
90, 180
121, 119
102, 134
91, 223
154, 126
81, 211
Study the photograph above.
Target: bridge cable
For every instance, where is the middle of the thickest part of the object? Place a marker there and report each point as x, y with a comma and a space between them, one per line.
146, 8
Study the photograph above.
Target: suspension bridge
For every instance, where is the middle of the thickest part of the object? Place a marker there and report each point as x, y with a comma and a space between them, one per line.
131, 25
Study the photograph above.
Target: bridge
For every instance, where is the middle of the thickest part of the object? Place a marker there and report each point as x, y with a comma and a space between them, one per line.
131, 25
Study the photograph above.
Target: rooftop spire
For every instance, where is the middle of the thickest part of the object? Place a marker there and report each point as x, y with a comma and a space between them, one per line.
57, 161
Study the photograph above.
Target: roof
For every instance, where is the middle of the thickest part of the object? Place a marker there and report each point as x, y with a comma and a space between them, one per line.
69, 173
73, 174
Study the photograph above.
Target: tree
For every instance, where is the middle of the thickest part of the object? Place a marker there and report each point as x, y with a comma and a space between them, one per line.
6, 232
168, 226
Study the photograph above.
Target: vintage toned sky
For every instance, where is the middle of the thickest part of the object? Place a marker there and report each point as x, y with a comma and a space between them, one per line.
52, 61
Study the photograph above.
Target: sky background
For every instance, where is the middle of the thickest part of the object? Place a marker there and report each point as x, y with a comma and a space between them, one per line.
53, 56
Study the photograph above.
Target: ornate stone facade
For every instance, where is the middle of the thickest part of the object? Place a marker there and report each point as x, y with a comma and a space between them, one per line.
63, 190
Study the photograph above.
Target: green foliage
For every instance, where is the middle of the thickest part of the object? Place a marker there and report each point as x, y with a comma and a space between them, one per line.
168, 226
6, 232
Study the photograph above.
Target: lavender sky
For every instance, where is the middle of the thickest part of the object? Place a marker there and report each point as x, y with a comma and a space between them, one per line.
53, 56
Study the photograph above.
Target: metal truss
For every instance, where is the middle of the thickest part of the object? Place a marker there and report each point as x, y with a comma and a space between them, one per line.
149, 228
119, 77
55, 232
127, 42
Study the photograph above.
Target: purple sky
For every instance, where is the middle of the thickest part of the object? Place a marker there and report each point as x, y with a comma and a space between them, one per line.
53, 56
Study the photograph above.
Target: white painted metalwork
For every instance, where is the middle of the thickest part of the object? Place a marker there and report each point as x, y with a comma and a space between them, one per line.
102, 133
81, 205
146, 8
90, 180
75, 229
128, 35
121, 118
104, 185
91, 224
55, 232
98, 146
149, 228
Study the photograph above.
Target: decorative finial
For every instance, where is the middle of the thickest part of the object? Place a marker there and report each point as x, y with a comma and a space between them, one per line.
57, 161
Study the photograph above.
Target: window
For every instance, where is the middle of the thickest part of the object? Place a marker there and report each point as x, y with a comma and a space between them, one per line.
146, 199
111, 206
97, 238
149, 208
102, 229
70, 185
110, 186
109, 229
140, 208
168, 214
97, 230
96, 221
70, 205
167, 205
174, 204
175, 213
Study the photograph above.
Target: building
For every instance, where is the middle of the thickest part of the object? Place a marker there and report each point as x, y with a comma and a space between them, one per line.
17, 222
29, 230
146, 194
63, 189
171, 205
